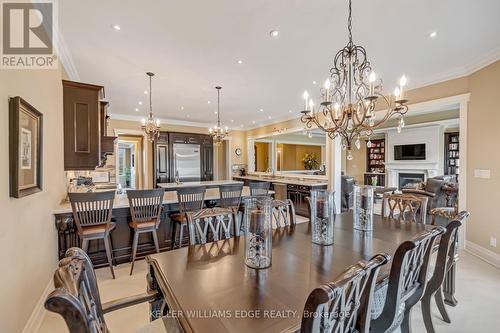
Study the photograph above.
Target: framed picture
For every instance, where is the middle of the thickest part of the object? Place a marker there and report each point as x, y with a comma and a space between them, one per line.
25, 142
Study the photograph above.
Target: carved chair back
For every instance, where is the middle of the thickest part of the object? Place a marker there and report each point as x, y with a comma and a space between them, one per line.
343, 306
145, 205
76, 297
230, 195
407, 279
91, 209
190, 198
215, 222
446, 251
259, 188
405, 207
283, 213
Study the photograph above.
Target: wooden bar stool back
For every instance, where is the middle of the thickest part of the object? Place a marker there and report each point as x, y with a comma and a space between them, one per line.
344, 305
145, 209
259, 188
92, 213
230, 195
190, 199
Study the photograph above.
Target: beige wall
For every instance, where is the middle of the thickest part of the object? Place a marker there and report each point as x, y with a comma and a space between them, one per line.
483, 151
292, 155
28, 238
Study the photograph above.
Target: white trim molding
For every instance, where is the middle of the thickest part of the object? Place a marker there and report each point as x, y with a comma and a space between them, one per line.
482, 253
38, 314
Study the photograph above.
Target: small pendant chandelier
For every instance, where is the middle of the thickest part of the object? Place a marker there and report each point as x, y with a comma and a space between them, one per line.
151, 126
217, 132
350, 96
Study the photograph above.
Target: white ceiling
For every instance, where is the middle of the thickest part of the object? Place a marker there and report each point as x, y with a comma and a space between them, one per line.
193, 46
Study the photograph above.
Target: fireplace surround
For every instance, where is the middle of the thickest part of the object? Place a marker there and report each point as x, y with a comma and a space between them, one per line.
409, 180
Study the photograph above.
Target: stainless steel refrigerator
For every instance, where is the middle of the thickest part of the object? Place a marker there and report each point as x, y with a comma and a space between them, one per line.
187, 161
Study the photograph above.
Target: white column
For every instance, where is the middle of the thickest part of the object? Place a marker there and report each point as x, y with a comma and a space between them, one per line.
333, 168
462, 176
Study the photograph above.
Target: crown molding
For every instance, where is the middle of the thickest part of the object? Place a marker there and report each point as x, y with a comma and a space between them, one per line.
168, 121
65, 58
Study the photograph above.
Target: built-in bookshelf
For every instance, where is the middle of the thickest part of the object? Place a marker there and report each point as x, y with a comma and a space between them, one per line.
451, 153
375, 162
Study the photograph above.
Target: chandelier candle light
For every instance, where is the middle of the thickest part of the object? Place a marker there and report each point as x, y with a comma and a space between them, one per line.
350, 96
151, 126
217, 132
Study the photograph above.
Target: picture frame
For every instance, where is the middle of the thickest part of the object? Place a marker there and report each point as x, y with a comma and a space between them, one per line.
25, 148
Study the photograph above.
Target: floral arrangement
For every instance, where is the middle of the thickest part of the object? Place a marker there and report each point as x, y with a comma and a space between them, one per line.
310, 161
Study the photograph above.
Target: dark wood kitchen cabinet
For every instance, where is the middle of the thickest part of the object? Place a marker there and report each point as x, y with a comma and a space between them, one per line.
164, 171
82, 125
298, 195
107, 142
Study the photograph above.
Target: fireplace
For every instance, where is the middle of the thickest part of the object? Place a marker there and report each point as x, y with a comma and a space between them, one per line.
410, 180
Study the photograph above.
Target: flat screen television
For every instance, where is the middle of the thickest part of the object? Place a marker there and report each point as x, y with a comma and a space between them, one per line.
409, 152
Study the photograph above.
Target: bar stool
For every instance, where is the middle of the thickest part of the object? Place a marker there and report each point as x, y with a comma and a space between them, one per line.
259, 188
145, 209
190, 199
230, 197
92, 214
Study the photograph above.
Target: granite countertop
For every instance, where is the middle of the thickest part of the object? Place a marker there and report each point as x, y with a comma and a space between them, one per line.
211, 183
170, 197
287, 180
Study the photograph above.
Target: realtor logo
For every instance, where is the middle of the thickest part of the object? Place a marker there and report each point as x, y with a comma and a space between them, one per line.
27, 35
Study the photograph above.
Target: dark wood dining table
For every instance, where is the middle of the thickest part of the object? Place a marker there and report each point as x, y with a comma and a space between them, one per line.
208, 288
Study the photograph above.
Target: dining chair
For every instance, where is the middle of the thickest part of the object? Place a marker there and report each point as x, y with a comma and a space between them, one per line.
76, 298
145, 209
283, 213
92, 214
445, 259
190, 199
407, 281
405, 207
216, 222
259, 188
343, 306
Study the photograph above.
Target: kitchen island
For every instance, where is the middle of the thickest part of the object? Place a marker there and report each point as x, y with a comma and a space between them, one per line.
121, 236
207, 184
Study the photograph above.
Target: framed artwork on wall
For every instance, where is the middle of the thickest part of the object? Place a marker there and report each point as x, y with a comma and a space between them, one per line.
25, 152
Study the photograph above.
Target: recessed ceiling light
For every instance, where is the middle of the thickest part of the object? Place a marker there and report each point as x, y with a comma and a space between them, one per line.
232, 120
269, 117
136, 109
182, 108
253, 121
241, 125
274, 33
314, 82
116, 27
290, 111
261, 110
188, 116
145, 92
240, 61
140, 103
433, 34
215, 112
209, 102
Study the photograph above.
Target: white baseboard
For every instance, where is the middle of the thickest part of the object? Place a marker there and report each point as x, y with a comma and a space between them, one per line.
482, 253
36, 318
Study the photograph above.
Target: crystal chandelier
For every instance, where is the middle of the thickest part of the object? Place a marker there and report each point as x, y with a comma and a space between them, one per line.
151, 126
350, 97
217, 132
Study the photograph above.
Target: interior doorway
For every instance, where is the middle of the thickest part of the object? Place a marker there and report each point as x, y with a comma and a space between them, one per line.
129, 162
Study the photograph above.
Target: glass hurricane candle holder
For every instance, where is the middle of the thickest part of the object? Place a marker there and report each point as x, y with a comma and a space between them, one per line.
258, 236
322, 216
363, 207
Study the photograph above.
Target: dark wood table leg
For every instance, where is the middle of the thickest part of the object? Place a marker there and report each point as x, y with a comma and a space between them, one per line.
158, 307
449, 284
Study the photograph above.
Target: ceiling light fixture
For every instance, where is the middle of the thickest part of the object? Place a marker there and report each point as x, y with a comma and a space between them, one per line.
350, 97
140, 103
217, 132
209, 102
314, 82
136, 109
182, 108
145, 92
116, 27
274, 33
261, 110
151, 126
433, 34
240, 62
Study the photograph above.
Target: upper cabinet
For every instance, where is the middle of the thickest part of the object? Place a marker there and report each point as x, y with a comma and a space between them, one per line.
107, 142
82, 125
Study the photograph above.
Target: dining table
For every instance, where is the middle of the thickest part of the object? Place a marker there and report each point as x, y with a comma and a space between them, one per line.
208, 288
